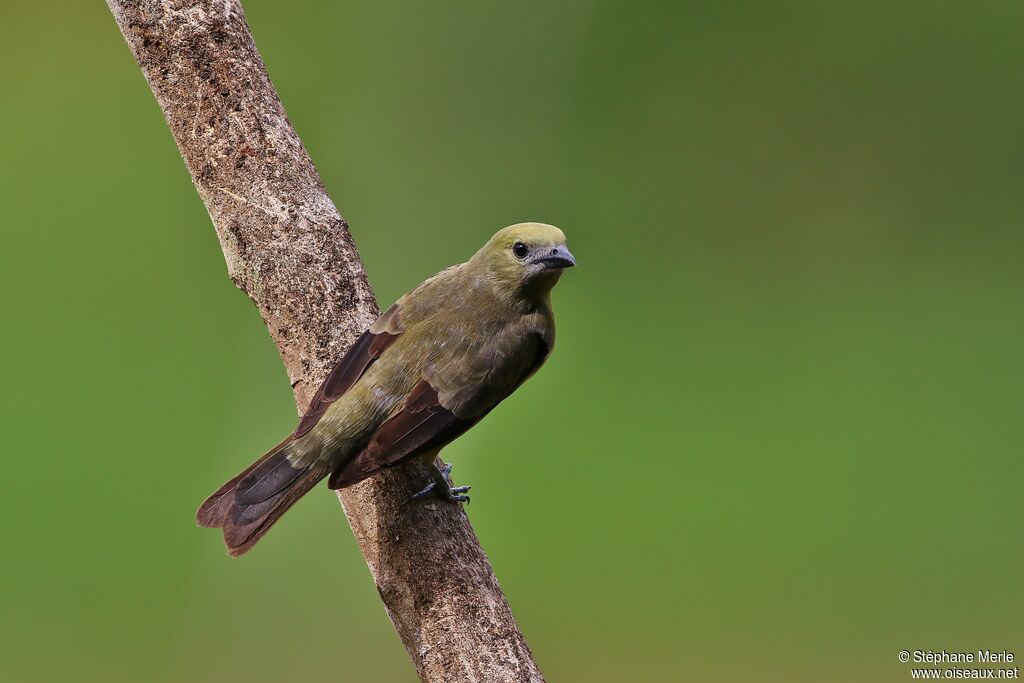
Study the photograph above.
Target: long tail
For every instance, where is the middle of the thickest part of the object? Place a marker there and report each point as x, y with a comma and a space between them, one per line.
248, 505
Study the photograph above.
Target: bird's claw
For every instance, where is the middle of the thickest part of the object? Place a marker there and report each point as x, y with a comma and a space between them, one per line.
452, 495
442, 487
456, 494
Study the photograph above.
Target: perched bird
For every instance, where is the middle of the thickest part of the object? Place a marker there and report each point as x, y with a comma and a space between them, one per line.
430, 368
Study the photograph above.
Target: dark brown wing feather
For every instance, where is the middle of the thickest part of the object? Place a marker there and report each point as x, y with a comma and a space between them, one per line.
421, 426
347, 372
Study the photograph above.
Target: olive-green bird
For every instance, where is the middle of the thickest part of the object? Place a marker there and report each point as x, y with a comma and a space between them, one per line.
430, 368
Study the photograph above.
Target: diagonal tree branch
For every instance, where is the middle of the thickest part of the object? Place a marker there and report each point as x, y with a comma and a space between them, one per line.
289, 249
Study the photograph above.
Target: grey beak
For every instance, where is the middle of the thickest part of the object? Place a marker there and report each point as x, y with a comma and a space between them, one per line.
557, 257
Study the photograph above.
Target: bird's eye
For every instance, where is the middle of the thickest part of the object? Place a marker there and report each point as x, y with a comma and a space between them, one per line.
520, 250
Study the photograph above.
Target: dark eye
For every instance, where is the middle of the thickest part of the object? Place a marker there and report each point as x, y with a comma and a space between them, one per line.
520, 250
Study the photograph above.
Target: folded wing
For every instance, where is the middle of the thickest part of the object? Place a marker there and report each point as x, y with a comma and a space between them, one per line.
421, 426
430, 419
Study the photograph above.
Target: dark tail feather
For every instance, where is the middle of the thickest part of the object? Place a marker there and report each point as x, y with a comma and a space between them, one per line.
213, 510
248, 505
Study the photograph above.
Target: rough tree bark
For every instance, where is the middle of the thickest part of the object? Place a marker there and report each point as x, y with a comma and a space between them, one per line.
289, 249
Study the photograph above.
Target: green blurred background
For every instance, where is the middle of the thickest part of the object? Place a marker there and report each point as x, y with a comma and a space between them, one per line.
780, 438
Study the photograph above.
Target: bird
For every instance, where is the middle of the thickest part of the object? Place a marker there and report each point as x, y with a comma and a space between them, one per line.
430, 368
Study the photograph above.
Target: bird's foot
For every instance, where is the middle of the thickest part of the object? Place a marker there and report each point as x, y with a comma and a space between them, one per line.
442, 487
451, 494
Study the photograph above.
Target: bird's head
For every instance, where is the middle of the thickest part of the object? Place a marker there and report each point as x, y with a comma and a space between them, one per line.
527, 257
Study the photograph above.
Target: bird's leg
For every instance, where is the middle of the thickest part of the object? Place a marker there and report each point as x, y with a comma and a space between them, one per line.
441, 487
